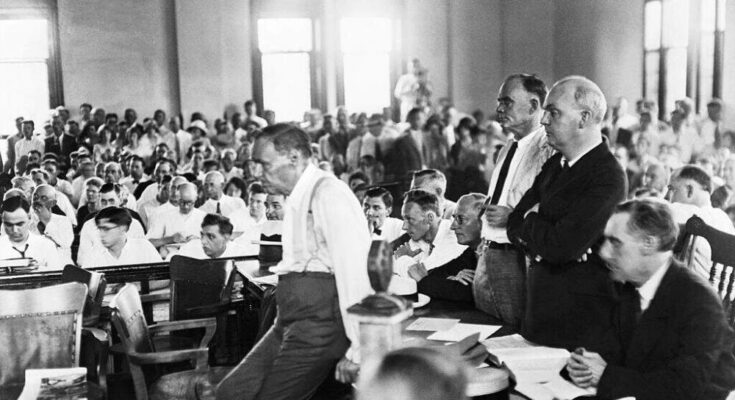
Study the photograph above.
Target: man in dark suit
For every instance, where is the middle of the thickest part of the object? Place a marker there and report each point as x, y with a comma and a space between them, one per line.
569, 300
406, 155
676, 342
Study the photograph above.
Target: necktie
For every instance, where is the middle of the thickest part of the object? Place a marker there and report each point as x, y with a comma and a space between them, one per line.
717, 136
41, 227
565, 165
503, 174
431, 248
377, 231
21, 252
219, 211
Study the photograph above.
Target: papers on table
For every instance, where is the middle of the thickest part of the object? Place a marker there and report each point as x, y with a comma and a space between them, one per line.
536, 368
266, 280
460, 331
55, 383
432, 324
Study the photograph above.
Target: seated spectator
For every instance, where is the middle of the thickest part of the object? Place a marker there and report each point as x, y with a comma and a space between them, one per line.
215, 240
56, 228
149, 189
676, 342
453, 280
432, 243
248, 220
378, 206
434, 181
655, 178
137, 174
413, 373
229, 170
236, 187
724, 194
78, 186
89, 236
145, 209
174, 227
172, 204
217, 202
92, 196
62, 186
19, 242
118, 247
63, 205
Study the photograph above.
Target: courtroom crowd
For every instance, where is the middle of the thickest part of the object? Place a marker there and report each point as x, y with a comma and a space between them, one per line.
556, 213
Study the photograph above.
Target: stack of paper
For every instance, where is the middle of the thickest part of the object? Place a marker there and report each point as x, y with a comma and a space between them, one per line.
461, 331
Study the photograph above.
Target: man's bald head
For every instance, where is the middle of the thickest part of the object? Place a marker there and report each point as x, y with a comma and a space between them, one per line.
588, 97
213, 184
188, 195
44, 195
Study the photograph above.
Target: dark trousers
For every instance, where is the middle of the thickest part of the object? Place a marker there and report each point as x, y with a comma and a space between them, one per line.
300, 350
499, 286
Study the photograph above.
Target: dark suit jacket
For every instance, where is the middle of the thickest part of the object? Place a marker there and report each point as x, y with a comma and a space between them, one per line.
681, 348
404, 157
52, 145
437, 286
569, 303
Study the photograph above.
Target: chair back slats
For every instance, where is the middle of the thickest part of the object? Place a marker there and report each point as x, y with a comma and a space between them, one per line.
41, 328
129, 321
722, 247
196, 283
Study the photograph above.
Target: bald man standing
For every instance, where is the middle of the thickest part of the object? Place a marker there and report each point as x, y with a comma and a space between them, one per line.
569, 300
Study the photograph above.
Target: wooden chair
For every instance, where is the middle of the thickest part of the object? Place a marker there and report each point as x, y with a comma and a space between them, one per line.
41, 328
96, 285
139, 350
723, 259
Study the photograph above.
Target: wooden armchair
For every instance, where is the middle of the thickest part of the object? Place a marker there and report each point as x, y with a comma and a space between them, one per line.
722, 257
139, 350
41, 328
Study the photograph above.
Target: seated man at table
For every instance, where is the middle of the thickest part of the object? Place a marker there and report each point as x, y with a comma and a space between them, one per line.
89, 236
19, 242
56, 228
378, 205
432, 243
453, 280
676, 341
177, 226
215, 240
414, 373
118, 248
434, 181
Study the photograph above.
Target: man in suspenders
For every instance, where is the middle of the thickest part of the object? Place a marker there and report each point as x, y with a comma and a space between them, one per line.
323, 272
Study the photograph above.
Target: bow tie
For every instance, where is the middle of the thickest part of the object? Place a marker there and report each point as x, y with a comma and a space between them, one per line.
377, 231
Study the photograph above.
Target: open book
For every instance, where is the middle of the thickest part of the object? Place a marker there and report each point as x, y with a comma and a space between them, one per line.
535, 368
55, 383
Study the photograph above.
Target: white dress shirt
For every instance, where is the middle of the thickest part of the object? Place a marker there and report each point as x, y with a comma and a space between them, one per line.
39, 248
24, 146
60, 232
146, 209
89, 237
445, 250
171, 222
194, 249
648, 290
391, 230
135, 251
227, 205
496, 234
242, 221
329, 239
707, 131
130, 203
155, 213
149, 193
184, 139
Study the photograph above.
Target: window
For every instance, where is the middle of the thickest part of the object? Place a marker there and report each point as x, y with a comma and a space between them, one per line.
366, 45
285, 46
674, 67
24, 71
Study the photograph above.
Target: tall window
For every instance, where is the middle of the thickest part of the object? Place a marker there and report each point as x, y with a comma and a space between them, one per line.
366, 45
674, 66
286, 45
24, 71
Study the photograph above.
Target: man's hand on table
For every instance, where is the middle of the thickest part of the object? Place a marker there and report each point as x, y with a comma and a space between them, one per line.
585, 368
405, 250
417, 272
346, 371
465, 277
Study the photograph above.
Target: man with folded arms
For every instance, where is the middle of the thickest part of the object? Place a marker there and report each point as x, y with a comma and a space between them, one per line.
675, 338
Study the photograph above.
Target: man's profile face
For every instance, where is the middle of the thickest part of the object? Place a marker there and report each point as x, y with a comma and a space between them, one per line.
214, 243
111, 234
278, 170
38, 178
109, 199
274, 210
416, 222
622, 250
375, 210
16, 224
561, 117
256, 204
465, 224
514, 106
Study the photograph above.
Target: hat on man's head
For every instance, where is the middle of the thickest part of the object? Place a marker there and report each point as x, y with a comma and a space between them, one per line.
375, 120
199, 124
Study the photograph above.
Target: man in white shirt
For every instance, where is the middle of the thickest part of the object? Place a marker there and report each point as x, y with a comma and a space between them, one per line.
689, 193
432, 242
215, 240
117, 247
163, 167
251, 111
407, 87
711, 129
155, 213
28, 143
178, 226
248, 220
378, 205
40, 177
434, 181
499, 284
62, 186
137, 175
323, 270
229, 170
218, 202
146, 209
89, 236
86, 166
19, 242
55, 227
183, 139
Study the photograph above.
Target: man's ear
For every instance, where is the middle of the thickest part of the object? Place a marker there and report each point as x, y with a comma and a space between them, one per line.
430, 216
584, 118
535, 105
293, 156
650, 244
389, 210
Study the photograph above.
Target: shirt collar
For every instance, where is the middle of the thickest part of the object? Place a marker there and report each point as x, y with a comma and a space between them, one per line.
305, 181
648, 289
528, 138
582, 154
